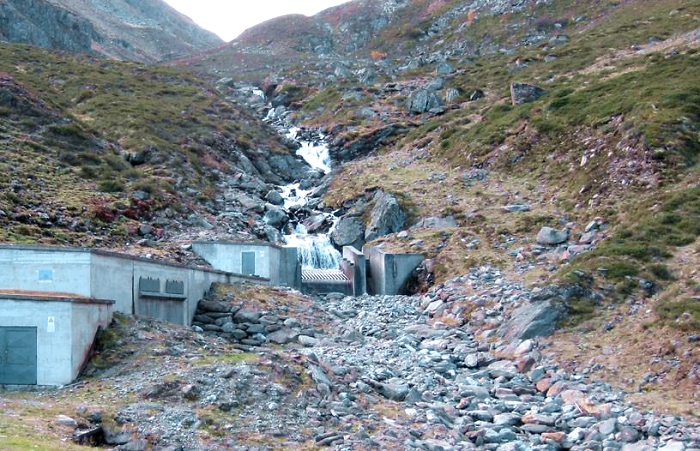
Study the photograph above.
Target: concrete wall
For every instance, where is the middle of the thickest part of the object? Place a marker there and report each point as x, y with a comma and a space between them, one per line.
34, 268
107, 275
288, 268
160, 304
279, 265
112, 278
359, 269
121, 275
64, 333
87, 318
228, 256
388, 273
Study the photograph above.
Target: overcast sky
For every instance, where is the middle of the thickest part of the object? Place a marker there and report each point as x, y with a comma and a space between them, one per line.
229, 18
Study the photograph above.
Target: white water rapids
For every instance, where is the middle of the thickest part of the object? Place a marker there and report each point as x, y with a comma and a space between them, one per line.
315, 251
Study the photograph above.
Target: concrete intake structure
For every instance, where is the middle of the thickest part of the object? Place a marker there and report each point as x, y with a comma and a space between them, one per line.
373, 270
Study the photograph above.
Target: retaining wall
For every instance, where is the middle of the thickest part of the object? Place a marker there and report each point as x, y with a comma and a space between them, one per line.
388, 273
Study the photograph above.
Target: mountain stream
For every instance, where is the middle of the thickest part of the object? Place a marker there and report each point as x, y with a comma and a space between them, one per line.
315, 250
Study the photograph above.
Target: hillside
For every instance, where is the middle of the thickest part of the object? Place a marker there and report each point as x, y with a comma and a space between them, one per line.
110, 154
146, 31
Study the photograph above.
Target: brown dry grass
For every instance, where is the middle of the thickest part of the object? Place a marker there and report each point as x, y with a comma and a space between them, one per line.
642, 344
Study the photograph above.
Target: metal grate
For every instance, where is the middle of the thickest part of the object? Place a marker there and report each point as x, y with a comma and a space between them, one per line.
323, 275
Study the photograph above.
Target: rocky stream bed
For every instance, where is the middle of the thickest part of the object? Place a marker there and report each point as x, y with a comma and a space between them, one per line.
355, 373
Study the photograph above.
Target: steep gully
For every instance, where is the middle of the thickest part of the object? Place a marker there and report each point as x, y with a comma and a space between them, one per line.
315, 249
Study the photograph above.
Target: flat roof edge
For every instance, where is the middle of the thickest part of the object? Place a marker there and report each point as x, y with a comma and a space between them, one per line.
106, 253
240, 243
48, 297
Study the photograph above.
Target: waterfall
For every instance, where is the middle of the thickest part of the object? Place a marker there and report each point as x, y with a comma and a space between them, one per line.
317, 155
315, 251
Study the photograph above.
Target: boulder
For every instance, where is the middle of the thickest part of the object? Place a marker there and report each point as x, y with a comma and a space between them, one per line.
283, 336
451, 94
275, 216
444, 69
559, 39
436, 222
350, 231
476, 95
366, 75
387, 216
316, 224
525, 93
274, 198
213, 306
436, 84
551, 237
530, 320
517, 208
423, 100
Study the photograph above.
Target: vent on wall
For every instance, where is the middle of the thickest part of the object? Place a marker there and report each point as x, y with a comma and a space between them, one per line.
149, 285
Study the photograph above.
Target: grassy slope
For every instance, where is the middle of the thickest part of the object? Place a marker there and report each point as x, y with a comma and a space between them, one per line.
617, 136
86, 116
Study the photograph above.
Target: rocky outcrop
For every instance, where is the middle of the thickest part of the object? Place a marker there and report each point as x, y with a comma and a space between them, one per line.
387, 216
343, 150
145, 30
525, 93
423, 101
41, 23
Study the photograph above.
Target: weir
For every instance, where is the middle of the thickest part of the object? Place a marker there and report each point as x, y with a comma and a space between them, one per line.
320, 267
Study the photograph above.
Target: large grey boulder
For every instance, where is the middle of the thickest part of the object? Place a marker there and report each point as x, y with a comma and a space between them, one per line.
424, 100
550, 237
350, 231
530, 320
387, 216
525, 93
274, 198
275, 216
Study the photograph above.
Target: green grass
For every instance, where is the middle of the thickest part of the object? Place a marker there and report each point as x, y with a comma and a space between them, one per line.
680, 313
640, 248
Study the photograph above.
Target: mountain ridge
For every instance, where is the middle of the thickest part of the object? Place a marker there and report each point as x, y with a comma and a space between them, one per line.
145, 31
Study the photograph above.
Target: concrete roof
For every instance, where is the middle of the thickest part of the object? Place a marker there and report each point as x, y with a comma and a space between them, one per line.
27, 295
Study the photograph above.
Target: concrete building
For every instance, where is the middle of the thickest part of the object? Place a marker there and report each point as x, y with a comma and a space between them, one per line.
139, 286
46, 338
278, 264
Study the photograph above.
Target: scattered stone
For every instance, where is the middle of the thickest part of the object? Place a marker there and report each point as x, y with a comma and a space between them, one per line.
517, 208
65, 420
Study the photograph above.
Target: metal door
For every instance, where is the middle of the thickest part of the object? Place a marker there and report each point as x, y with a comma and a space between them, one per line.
18, 355
248, 263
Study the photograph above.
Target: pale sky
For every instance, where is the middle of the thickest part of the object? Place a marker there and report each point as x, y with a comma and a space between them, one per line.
229, 18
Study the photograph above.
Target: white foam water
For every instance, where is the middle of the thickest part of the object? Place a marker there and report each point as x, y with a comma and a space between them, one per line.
315, 251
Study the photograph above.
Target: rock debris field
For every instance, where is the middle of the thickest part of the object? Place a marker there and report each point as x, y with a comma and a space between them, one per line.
355, 373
